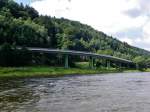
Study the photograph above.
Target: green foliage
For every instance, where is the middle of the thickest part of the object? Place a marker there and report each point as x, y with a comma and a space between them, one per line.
22, 26
140, 62
10, 56
22, 32
46, 71
107, 52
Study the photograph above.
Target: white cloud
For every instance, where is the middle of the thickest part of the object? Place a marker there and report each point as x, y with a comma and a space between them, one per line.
51, 7
105, 15
128, 40
146, 33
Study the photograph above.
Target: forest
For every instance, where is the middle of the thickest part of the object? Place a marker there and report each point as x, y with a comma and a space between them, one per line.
21, 25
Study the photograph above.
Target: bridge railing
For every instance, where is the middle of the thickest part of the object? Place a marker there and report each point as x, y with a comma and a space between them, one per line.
73, 52
80, 53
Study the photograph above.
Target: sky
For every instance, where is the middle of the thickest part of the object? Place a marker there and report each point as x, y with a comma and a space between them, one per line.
126, 20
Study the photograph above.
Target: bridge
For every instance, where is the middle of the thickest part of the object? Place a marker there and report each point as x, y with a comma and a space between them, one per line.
91, 56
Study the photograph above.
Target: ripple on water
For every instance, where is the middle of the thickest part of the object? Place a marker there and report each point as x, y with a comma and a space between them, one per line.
129, 92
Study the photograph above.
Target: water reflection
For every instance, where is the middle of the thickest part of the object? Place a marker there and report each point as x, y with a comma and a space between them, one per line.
97, 93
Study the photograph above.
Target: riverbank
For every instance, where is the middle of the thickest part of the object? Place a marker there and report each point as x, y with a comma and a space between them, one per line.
37, 71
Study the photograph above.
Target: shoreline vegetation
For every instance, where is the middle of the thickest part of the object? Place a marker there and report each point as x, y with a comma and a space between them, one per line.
47, 71
22, 25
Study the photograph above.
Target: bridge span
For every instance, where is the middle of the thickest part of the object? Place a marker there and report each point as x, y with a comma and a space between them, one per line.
92, 56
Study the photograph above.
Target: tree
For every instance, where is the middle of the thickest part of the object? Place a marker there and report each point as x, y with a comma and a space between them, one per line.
140, 62
22, 26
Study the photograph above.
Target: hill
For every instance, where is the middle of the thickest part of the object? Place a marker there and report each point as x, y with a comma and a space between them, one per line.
22, 26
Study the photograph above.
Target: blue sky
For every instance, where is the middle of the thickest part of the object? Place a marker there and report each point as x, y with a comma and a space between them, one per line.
127, 20
23, 1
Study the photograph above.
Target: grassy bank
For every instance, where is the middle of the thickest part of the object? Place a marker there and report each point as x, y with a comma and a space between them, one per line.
37, 71
146, 70
48, 71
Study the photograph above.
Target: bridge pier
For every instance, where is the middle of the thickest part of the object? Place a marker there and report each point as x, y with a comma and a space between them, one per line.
120, 65
128, 65
91, 62
108, 64
66, 61
137, 66
42, 58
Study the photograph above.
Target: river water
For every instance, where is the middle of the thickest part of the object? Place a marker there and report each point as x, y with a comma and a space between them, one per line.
121, 92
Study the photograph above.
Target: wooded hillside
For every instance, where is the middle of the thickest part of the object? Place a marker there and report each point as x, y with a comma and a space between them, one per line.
22, 26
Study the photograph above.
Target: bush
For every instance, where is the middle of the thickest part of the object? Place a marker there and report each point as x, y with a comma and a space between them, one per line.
11, 56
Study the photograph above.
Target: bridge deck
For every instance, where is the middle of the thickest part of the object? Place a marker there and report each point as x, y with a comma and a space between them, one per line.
72, 52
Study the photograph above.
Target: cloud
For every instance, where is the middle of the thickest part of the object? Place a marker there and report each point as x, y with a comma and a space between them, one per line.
128, 40
134, 13
146, 33
110, 16
137, 37
142, 8
133, 32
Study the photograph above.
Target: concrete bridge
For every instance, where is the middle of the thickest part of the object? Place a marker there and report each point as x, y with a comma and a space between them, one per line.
92, 56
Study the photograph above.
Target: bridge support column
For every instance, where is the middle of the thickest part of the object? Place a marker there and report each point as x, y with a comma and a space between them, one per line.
91, 62
108, 64
128, 65
66, 61
42, 58
137, 66
120, 65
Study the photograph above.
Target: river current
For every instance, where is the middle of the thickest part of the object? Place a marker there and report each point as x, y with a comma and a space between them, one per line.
120, 92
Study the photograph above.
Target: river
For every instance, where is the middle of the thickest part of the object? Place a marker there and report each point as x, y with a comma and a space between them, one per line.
121, 92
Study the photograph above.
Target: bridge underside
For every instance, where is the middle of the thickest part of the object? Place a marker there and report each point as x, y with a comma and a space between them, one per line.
92, 56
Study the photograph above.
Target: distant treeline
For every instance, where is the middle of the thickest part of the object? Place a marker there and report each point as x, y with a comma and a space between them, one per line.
22, 26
